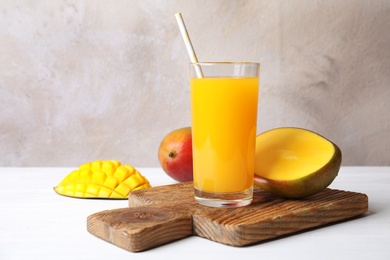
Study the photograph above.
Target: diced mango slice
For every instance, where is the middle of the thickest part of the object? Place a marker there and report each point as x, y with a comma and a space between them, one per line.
74, 175
104, 192
108, 167
85, 166
96, 165
131, 169
92, 191
111, 182
121, 173
143, 186
116, 163
102, 179
85, 176
123, 189
134, 181
98, 177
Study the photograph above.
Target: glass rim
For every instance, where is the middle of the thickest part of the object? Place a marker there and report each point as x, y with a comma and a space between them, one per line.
225, 63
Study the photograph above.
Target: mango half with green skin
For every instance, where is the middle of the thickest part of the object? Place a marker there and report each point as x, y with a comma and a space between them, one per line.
295, 163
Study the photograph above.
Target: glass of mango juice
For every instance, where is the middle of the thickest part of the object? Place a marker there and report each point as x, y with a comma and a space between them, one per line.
224, 98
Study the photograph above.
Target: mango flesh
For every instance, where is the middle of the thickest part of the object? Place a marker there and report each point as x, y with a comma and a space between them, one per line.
107, 179
295, 162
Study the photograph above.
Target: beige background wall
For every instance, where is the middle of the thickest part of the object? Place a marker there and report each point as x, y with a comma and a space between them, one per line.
86, 80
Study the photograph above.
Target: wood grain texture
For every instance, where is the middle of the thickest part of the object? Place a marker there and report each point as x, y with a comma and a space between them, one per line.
137, 229
163, 214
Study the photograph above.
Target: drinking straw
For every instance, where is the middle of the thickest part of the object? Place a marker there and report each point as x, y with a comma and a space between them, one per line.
187, 42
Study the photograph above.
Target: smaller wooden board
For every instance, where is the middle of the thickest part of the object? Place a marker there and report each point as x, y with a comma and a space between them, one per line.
160, 215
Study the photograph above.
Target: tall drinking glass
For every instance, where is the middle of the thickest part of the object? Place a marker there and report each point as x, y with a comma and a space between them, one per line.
224, 97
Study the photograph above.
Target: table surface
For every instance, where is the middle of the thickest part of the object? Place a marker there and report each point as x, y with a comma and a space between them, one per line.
37, 223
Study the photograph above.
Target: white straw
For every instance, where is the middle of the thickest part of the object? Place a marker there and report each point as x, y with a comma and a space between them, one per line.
187, 42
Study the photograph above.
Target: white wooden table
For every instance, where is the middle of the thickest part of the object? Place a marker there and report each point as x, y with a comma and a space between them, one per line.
37, 223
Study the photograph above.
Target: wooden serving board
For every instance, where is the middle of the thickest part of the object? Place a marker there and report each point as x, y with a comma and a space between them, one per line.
160, 215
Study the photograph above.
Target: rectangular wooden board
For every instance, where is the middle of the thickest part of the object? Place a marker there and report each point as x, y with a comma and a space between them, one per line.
163, 214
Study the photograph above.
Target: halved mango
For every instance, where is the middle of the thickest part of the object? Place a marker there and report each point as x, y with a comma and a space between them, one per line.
295, 162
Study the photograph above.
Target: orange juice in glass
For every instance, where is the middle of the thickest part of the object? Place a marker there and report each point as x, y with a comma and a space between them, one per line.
224, 101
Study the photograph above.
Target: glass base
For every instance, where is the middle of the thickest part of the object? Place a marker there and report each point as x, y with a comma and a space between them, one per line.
224, 200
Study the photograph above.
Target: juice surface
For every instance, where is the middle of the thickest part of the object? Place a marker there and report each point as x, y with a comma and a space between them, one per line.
224, 116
